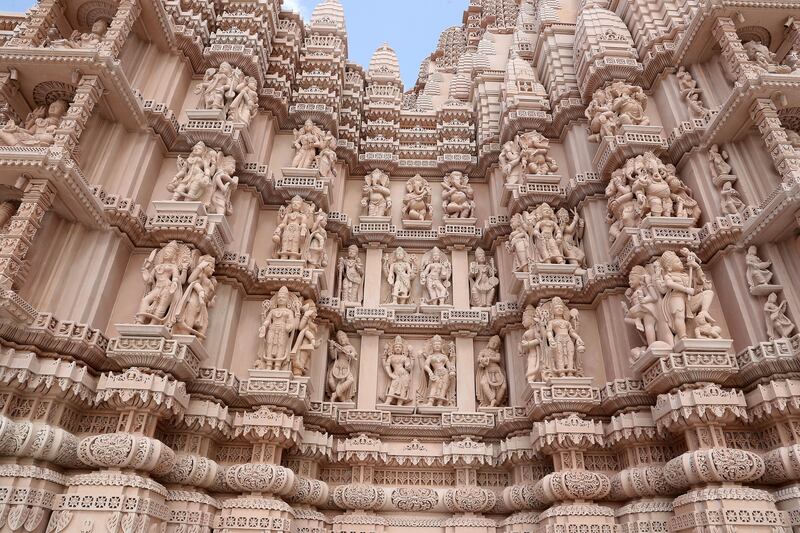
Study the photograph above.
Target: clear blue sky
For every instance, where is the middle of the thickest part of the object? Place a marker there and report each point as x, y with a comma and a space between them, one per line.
411, 27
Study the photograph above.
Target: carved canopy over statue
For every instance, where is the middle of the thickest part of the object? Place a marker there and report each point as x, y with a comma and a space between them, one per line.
417, 200
376, 197
458, 197
670, 300
288, 333
301, 233
315, 147
619, 104
435, 277
526, 154
644, 187
205, 176
227, 89
39, 128
179, 289
543, 236
551, 342
88, 40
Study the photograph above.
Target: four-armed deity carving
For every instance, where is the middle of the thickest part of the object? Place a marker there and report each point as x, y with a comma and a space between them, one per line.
551, 343
544, 236
205, 176
619, 104
315, 147
301, 233
228, 90
528, 153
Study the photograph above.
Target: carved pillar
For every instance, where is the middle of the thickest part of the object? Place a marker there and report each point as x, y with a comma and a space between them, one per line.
465, 371
33, 30
373, 278
460, 262
120, 26
736, 63
467, 499
80, 109
765, 116
360, 497
369, 367
21, 231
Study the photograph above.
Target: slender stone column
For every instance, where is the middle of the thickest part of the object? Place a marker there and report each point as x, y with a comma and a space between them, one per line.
86, 97
460, 261
20, 233
120, 26
368, 369
465, 371
372, 277
736, 63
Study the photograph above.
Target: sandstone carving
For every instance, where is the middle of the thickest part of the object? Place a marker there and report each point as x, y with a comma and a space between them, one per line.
435, 277
458, 197
483, 280
227, 89
490, 378
205, 176
90, 39
351, 276
39, 128
551, 342
314, 148
341, 382
778, 324
301, 233
526, 154
376, 195
417, 200
280, 319
400, 269
440, 368
617, 105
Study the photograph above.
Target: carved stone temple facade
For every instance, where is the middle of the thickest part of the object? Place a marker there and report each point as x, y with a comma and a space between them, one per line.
247, 285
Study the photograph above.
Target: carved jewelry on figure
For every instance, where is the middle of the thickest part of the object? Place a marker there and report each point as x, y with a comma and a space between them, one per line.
301, 233
39, 128
764, 58
435, 277
617, 105
526, 154
440, 367
280, 318
400, 269
519, 243
417, 200
458, 197
191, 314
376, 197
490, 378
351, 276
340, 379
314, 147
543, 236
483, 280
551, 342
205, 176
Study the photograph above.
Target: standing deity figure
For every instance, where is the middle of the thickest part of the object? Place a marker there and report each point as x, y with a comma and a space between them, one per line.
244, 106
417, 200
351, 276
327, 156
490, 377
718, 161
641, 311
563, 339
535, 148
39, 128
376, 196
164, 273
519, 243
306, 141
572, 237
191, 314
758, 273
685, 205
398, 365
458, 197
222, 186
652, 191
730, 202
546, 234
280, 318
315, 243
778, 324
441, 370
622, 211
307, 339
532, 345
205, 176
218, 86
400, 269
600, 115
91, 39
340, 379
292, 232
689, 92
435, 277
617, 105
762, 56
483, 280
511, 164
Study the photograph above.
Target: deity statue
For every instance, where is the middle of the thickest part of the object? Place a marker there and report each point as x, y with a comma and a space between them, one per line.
164, 273
519, 243
340, 379
685, 206
617, 105
435, 277
191, 313
307, 339
280, 318
441, 370
490, 377
689, 92
307, 140
91, 39
526, 154
315, 243
572, 237
458, 197
417, 200
327, 156
217, 89
546, 235
351, 276
641, 310
622, 209
244, 106
718, 161
205, 176
778, 324
766, 59
483, 280
376, 196
730, 202
400, 269
562, 338
758, 273
511, 162
398, 365
292, 231
652, 191
39, 129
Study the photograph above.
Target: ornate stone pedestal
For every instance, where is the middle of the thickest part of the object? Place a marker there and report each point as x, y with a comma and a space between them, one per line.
305, 183
189, 222
416, 224
276, 387
536, 189
630, 141
155, 347
654, 236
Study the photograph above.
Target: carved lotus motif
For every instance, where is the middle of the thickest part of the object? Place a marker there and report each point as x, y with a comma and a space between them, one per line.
576, 485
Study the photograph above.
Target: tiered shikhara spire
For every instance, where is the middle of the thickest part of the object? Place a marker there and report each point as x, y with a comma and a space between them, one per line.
248, 285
